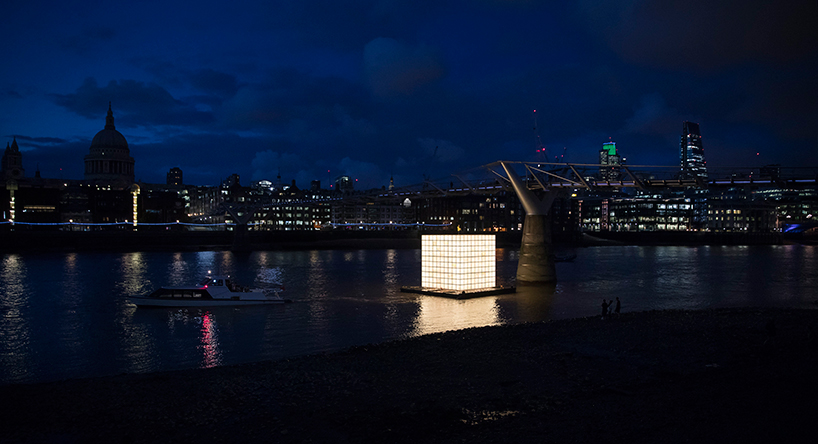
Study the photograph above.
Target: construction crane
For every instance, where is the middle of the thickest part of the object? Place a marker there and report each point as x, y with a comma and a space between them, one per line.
542, 152
561, 158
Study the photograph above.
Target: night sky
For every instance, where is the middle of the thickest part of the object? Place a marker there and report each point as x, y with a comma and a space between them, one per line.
408, 89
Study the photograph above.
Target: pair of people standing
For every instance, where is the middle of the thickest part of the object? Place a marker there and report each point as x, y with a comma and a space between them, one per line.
606, 307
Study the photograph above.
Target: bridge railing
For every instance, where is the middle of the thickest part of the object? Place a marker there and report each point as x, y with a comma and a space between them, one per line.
589, 176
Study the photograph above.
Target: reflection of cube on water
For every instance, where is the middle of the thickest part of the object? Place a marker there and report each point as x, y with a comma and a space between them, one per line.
458, 261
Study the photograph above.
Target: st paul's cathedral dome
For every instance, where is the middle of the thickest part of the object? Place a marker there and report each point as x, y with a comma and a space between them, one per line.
109, 158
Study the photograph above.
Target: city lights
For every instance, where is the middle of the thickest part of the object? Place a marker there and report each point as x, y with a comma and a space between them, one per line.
134, 193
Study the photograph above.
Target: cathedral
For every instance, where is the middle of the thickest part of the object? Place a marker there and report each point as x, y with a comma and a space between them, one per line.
12, 163
104, 195
109, 159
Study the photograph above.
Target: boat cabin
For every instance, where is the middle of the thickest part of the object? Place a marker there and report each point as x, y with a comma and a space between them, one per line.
222, 281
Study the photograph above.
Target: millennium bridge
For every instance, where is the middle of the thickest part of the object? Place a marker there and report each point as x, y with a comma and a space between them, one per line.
537, 184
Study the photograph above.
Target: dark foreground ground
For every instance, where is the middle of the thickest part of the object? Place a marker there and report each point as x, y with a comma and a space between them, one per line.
656, 377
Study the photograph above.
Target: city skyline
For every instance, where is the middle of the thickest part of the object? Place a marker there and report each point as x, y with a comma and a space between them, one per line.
375, 89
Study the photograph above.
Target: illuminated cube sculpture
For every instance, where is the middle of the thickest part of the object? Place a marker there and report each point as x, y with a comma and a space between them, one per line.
460, 262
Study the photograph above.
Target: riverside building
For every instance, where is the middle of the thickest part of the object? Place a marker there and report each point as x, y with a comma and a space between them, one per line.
635, 214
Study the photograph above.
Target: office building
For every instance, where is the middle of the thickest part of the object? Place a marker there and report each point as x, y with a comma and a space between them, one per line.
609, 156
691, 153
174, 176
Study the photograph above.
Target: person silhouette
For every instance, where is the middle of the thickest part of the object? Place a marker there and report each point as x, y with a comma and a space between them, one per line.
616, 310
605, 306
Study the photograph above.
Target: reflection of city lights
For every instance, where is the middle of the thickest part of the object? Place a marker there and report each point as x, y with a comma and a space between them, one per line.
133, 268
443, 314
210, 342
15, 326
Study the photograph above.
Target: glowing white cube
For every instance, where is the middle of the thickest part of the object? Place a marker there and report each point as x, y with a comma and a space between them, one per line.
457, 261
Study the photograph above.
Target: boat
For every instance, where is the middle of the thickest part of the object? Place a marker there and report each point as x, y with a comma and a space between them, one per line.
212, 291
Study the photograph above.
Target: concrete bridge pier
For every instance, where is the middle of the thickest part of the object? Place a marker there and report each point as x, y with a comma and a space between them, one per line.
242, 215
537, 263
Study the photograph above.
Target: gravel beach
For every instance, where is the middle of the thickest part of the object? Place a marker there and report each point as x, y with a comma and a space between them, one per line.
726, 375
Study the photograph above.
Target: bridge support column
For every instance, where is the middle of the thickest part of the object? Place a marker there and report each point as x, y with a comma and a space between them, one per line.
536, 264
240, 238
242, 215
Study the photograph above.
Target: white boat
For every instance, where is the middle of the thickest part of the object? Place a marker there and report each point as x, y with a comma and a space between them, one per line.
212, 291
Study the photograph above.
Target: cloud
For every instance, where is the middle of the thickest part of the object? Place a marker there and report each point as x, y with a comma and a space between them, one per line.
350, 125
254, 106
214, 82
346, 26
441, 151
27, 143
11, 94
205, 158
384, 83
86, 41
269, 164
286, 97
394, 68
703, 35
135, 104
365, 175
55, 158
785, 99
653, 117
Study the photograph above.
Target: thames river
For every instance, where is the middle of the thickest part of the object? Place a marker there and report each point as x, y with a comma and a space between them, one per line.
66, 315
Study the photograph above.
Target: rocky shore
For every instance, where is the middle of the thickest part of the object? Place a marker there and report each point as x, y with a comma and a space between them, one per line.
728, 375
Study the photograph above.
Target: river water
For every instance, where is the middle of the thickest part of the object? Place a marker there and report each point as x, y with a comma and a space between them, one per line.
66, 315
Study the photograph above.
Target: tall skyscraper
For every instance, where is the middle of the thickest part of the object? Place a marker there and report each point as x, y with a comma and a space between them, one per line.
609, 156
691, 153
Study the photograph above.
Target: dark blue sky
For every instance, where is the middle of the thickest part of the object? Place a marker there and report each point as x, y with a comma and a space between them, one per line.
370, 88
